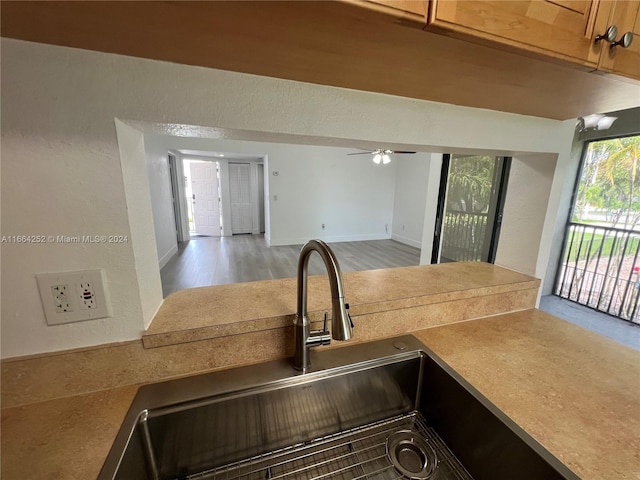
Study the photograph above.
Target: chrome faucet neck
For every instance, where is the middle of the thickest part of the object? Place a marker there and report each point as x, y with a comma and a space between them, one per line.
341, 327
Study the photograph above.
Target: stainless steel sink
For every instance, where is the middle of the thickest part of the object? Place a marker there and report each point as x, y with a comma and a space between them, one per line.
383, 410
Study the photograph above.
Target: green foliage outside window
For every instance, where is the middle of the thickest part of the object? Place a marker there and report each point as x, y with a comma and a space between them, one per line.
610, 183
470, 180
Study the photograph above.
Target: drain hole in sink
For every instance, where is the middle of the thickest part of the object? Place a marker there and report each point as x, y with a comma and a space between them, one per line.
411, 455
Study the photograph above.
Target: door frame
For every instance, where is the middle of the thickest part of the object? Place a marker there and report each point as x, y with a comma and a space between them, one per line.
176, 172
498, 192
442, 194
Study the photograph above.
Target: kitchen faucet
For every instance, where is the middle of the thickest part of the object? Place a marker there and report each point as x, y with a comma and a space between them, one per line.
341, 326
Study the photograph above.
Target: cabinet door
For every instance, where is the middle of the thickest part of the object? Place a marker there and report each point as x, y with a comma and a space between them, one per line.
557, 28
624, 61
417, 7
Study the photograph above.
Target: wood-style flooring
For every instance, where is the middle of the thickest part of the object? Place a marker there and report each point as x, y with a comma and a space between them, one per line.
204, 261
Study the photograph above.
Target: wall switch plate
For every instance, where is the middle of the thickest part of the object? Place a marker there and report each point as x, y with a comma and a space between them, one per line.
69, 297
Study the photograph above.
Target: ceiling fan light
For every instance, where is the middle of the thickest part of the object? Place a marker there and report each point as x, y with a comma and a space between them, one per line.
385, 159
377, 158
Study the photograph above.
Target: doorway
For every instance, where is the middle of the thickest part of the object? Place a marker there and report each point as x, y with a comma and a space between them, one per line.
202, 190
241, 198
470, 204
217, 197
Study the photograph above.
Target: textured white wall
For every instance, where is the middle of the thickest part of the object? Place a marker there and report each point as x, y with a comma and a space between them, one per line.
562, 174
62, 168
157, 164
525, 209
412, 177
143, 242
350, 195
48, 189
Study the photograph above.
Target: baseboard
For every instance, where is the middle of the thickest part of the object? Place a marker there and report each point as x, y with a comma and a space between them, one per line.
279, 242
167, 256
406, 241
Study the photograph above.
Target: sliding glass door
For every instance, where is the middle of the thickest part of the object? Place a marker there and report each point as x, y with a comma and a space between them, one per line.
472, 191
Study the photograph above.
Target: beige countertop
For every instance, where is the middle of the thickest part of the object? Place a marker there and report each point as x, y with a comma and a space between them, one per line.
194, 332
575, 392
572, 390
211, 312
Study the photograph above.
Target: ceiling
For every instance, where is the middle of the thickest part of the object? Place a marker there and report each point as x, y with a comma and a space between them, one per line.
340, 44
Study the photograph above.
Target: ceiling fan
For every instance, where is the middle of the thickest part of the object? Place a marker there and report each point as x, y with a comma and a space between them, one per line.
381, 154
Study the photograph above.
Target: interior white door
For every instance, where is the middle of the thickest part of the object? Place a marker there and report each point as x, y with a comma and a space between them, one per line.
261, 197
240, 193
206, 207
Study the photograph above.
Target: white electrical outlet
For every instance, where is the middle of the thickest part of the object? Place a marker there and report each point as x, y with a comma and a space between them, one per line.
61, 299
87, 296
74, 296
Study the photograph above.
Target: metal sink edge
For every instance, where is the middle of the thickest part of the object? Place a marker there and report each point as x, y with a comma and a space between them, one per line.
174, 395
170, 396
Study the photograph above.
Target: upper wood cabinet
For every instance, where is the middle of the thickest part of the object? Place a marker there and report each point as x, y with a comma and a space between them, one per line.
564, 29
623, 61
557, 29
415, 7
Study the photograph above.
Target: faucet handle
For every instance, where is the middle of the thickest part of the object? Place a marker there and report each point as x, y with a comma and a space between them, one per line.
319, 337
346, 307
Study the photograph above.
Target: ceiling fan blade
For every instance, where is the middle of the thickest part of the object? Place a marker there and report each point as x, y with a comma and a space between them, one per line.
360, 153
401, 151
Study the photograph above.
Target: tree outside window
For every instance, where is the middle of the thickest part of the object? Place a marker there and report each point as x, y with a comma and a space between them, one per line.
609, 189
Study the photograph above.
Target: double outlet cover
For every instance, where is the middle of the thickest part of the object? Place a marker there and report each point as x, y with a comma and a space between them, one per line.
74, 296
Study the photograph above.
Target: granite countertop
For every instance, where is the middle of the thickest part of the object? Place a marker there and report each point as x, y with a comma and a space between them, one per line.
572, 390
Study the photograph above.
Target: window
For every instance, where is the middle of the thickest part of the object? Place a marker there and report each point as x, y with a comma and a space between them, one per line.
600, 266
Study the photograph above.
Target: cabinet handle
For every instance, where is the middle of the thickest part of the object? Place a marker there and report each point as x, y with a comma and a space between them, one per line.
610, 35
624, 41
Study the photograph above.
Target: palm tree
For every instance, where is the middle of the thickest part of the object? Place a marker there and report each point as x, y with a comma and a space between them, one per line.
470, 181
468, 196
614, 184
